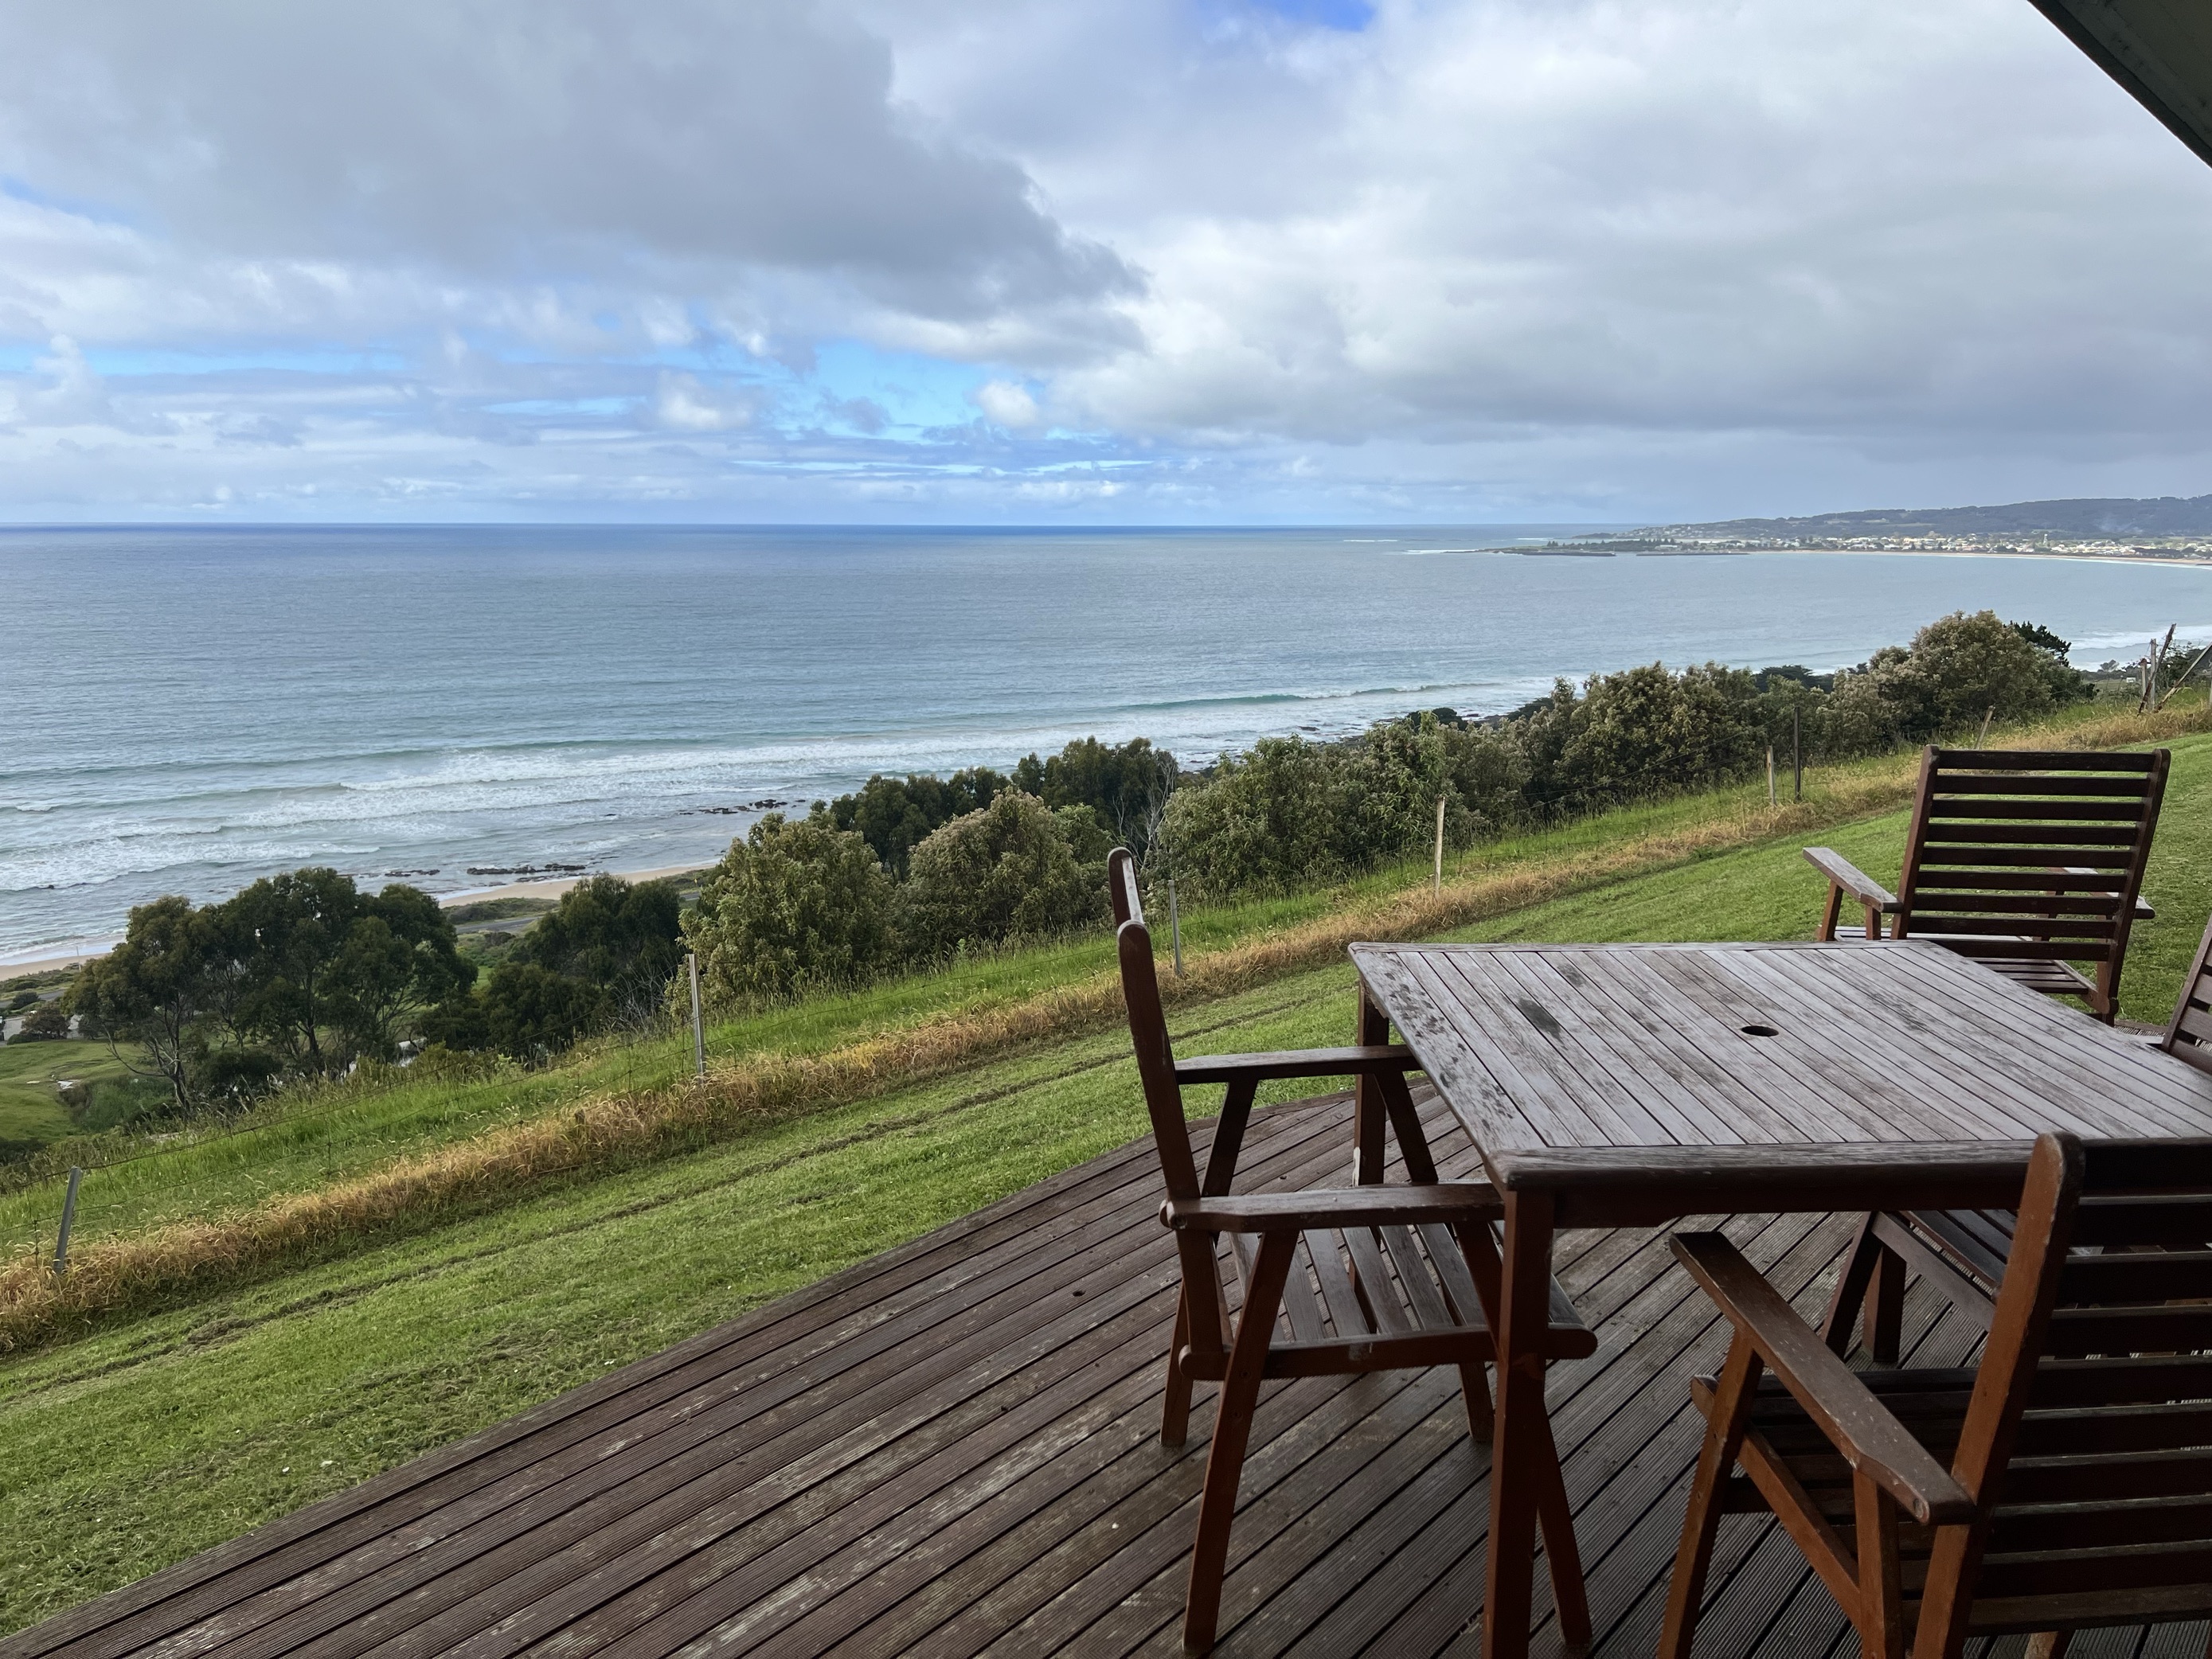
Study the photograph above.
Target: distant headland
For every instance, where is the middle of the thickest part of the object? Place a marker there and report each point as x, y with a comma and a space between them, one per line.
2161, 528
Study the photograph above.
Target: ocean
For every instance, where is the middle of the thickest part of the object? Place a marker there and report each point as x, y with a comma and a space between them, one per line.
183, 710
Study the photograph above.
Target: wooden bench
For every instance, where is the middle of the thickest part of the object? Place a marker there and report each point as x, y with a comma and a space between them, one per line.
2065, 1483
2026, 861
1342, 1280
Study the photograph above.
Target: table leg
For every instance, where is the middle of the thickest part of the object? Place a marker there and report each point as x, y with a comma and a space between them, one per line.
1367, 1147
1524, 1462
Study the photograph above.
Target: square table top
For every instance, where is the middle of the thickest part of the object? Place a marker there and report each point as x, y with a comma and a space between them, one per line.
1620, 1065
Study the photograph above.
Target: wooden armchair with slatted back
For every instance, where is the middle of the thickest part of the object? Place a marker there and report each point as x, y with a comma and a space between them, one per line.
1333, 1282
1961, 1253
2026, 861
2063, 1483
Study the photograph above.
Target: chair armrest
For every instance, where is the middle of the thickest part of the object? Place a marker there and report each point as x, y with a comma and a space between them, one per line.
1871, 1439
2142, 911
1297, 1063
2141, 905
1337, 1207
1853, 880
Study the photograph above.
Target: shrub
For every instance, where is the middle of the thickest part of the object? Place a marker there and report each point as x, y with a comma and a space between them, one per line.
531, 1012
1289, 812
47, 1023
894, 814
1961, 670
1641, 732
625, 941
1265, 818
1009, 871
794, 907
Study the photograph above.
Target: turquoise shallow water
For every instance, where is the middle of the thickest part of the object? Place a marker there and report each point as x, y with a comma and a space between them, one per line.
183, 710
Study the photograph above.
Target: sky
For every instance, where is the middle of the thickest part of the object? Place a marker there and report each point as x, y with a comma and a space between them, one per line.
1085, 261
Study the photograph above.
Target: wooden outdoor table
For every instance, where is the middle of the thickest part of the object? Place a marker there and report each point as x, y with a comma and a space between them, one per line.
1628, 1085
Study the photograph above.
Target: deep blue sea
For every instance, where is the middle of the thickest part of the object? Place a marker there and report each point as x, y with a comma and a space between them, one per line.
184, 710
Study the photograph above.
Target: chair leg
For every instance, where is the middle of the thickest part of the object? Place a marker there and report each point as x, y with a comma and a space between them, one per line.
1881, 1616
1474, 1389
1563, 1551
1553, 1514
1850, 1291
1232, 1429
1175, 1412
1885, 1309
1826, 931
1693, 1559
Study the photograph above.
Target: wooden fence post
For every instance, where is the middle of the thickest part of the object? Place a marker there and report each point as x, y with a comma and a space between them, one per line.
1440, 844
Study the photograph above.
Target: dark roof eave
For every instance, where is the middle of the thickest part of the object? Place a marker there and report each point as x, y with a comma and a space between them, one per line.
2164, 62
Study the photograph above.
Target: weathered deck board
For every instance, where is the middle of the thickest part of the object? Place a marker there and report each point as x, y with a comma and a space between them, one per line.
951, 1450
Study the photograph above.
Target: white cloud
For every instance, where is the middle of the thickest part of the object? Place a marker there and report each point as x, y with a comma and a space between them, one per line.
1004, 403
681, 403
1514, 258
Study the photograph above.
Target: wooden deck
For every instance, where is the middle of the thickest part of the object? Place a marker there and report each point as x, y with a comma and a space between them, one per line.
952, 1449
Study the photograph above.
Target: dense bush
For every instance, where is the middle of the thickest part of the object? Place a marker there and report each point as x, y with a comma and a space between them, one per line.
1639, 732
1287, 811
1959, 671
896, 814
1015, 869
794, 907
599, 958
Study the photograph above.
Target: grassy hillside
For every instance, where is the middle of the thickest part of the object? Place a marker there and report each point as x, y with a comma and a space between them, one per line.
307, 1141
156, 1433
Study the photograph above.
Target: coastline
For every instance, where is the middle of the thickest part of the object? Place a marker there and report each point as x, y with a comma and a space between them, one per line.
553, 887
621, 778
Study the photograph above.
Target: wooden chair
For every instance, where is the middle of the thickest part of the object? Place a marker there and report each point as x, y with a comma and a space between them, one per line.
2025, 861
2064, 1483
1962, 1252
1351, 1280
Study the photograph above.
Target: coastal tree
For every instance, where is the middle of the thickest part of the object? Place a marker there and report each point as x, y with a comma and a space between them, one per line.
324, 972
1959, 670
795, 906
1126, 784
151, 995
623, 940
1010, 871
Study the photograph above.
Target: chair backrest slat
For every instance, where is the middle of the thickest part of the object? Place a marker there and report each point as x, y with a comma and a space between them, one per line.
2033, 856
2189, 1033
2095, 1390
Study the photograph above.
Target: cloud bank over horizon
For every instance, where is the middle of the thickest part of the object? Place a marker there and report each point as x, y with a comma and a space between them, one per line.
1029, 260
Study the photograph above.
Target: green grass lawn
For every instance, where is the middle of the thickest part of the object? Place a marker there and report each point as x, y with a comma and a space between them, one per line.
305, 1141
30, 1110
158, 1436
